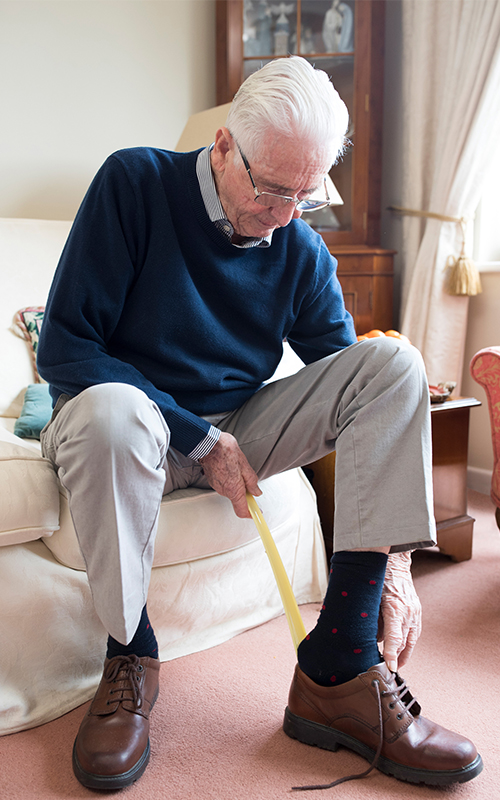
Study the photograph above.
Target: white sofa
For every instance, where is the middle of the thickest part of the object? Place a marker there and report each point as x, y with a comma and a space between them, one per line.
211, 578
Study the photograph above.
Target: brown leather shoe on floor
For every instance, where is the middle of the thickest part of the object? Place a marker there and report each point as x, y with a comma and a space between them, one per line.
376, 716
111, 750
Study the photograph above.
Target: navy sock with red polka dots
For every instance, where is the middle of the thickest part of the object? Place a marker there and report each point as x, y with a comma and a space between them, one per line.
143, 643
344, 642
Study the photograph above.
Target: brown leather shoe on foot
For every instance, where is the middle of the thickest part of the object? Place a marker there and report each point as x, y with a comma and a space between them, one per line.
376, 716
111, 750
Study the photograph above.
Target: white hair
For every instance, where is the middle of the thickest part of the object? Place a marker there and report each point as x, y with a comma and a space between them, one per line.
291, 97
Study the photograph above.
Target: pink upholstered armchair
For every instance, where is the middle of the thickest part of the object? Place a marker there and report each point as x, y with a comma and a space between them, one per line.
485, 369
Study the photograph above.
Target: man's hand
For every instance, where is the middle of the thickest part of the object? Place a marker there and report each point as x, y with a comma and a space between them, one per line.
400, 620
229, 473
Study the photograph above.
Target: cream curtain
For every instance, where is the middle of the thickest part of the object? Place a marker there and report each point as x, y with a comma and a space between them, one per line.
451, 123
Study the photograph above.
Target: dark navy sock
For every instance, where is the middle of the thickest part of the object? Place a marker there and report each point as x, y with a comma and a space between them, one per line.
143, 643
344, 642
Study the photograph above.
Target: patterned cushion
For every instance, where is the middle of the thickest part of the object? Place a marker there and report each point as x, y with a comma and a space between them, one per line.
29, 321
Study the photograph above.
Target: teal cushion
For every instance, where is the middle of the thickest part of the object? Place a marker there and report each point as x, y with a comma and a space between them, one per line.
36, 411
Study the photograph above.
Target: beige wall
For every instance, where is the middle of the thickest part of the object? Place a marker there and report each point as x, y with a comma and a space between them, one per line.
82, 78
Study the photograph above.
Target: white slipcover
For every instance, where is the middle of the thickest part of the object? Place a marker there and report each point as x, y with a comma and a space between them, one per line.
211, 578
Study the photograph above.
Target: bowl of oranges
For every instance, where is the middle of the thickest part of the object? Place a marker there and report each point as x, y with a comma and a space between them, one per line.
439, 393
376, 332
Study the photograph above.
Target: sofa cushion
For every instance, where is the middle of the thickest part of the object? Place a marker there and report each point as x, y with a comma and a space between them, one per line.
193, 523
30, 495
35, 413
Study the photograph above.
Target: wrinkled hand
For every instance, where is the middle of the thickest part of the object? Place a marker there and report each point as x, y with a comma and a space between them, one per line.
400, 621
228, 472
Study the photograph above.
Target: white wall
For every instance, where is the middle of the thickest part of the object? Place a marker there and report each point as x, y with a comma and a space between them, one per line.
82, 78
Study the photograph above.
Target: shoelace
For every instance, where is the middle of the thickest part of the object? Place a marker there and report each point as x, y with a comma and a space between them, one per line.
400, 692
130, 667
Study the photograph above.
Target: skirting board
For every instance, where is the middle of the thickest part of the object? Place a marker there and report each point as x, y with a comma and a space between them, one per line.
479, 479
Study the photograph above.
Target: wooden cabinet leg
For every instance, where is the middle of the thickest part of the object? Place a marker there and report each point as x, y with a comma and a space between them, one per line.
454, 537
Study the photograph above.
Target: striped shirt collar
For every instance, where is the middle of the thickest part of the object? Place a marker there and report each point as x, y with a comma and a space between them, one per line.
213, 204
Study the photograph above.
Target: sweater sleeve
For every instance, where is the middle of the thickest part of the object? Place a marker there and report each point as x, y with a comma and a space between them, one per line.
97, 269
323, 326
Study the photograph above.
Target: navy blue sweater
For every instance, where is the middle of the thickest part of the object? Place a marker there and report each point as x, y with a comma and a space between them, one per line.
148, 292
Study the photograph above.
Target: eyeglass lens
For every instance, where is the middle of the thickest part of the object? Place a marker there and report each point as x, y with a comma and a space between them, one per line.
278, 201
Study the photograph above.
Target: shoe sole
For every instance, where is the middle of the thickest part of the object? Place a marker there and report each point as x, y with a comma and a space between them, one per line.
317, 735
109, 782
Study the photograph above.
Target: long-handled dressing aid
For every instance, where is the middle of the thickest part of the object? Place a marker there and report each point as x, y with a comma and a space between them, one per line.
296, 625
292, 612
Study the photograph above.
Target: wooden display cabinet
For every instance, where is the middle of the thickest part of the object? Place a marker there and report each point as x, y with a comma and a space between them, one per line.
366, 277
252, 32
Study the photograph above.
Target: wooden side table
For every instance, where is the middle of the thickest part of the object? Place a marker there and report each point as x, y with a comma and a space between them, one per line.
450, 441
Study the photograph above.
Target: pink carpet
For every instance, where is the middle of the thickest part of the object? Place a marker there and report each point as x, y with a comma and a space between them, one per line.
216, 729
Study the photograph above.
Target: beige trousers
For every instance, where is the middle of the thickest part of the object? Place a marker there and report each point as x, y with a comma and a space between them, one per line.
370, 403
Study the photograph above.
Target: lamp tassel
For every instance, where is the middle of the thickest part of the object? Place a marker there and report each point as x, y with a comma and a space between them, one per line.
462, 276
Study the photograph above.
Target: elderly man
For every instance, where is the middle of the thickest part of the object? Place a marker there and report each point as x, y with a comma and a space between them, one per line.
181, 277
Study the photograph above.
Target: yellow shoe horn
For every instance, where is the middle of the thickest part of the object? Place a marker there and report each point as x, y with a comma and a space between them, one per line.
292, 612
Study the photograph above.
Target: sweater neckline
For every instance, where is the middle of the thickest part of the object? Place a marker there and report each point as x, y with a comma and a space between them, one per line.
191, 181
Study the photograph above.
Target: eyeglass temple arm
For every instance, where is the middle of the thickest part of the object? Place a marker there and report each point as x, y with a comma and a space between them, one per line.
246, 165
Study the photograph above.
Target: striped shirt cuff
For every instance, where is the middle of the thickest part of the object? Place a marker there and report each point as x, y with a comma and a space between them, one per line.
206, 444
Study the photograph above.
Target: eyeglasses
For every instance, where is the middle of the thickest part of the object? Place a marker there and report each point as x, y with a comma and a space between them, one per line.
281, 200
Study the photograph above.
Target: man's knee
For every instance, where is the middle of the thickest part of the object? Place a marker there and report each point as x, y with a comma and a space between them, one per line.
384, 369
111, 400
115, 414
396, 354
